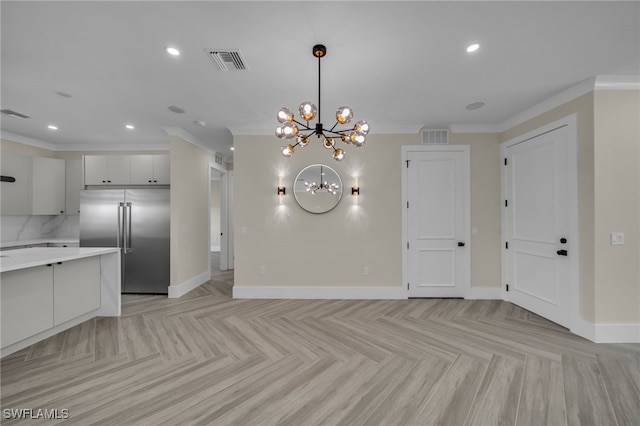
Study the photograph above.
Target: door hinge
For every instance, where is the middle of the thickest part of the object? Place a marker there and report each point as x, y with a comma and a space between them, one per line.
407, 204
506, 245
407, 245
407, 163
408, 286
507, 287
505, 161
506, 203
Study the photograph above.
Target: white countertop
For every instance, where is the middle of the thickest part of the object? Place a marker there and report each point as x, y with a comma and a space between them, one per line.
12, 260
5, 244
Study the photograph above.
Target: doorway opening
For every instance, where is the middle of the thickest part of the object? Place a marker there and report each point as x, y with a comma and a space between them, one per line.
220, 230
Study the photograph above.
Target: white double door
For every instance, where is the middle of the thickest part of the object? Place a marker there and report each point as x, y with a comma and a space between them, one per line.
540, 223
437, 221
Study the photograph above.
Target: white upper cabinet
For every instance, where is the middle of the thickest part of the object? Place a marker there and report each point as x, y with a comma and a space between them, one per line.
73, 186
161, 173
141, 169
48, 192
107, 169
38, 188
16, 172
126, 170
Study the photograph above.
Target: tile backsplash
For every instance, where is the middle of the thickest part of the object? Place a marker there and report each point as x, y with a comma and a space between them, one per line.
16, 228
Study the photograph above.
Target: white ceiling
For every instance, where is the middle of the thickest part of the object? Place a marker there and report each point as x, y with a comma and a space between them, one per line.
399, 65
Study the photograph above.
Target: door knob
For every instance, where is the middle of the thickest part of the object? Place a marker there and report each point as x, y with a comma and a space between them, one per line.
563, 240
562, 252
460, 244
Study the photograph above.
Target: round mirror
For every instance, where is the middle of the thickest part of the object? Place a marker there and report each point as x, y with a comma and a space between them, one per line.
318, 188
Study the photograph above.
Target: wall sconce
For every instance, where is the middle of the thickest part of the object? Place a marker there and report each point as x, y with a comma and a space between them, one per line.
282, 190
355, 191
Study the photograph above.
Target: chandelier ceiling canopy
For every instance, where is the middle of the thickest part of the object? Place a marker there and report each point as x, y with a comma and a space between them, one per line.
301, 131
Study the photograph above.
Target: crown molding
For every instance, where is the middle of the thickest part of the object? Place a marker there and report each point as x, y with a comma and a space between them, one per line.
474, 128
113, 147
183, 134
561, 98
82, 146
617, 82
27, 141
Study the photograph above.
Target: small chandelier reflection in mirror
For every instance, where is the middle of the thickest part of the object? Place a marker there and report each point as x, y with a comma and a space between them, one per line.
290, 128
330, 187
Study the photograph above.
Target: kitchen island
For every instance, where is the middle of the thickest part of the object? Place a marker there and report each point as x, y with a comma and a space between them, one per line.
46, 290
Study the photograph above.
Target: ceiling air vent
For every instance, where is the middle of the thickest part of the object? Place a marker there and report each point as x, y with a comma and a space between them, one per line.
227, 59
14, 114
218, 158
435, 137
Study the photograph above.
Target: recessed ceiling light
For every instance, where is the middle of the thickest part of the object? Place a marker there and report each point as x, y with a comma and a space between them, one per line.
130, 126
64, 94
52, 127
472, 48
176, 109
475, 105
172, 51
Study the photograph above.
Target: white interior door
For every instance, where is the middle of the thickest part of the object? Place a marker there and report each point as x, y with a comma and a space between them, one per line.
539, 244
437, 182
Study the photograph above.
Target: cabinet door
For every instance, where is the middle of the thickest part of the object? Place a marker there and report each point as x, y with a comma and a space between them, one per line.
16, 196
119, 169
73, 186
48, 186
141, 169
76, 288
95, 170
27, 303
161, 175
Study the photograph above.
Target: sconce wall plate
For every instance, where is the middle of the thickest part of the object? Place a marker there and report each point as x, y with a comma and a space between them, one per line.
282, 190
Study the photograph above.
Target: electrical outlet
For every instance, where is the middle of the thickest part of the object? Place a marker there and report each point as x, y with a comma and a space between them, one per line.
263, 270
617, 238
365, 270
243, 230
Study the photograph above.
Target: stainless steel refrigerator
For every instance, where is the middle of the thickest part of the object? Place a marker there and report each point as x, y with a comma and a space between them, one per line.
137, 221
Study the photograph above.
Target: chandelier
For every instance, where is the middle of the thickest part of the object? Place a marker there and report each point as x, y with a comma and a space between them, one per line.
313, 186
291, 128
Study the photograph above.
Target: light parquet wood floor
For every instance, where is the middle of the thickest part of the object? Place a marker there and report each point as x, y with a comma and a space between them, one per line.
208, 359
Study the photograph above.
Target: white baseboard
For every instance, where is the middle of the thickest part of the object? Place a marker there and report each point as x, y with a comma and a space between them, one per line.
176, 291
617, 333
294, 292
483, 293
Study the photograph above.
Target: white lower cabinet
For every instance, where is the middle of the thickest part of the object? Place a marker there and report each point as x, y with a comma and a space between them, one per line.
36, 299
27, 303
76, 288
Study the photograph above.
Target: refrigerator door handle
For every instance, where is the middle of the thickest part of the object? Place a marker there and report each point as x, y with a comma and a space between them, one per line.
127, 230
120, 225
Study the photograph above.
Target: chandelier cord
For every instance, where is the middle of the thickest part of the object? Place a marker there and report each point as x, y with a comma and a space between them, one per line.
319, 102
